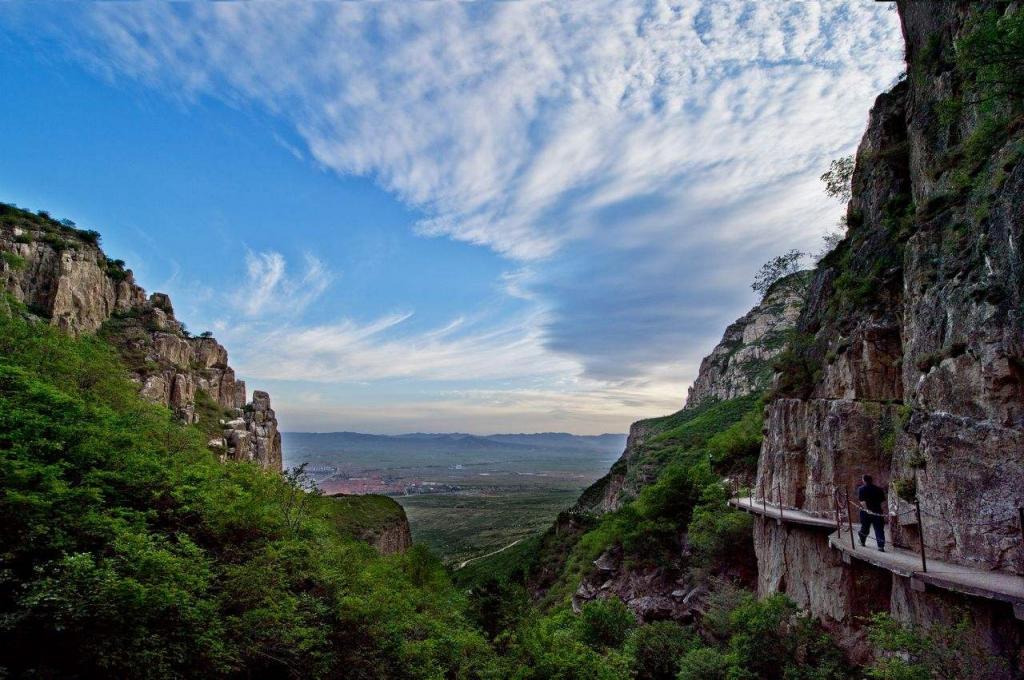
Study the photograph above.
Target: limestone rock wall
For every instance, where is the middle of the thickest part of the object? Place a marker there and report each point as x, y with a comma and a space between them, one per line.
911, 351
62, 278
61, 274
393, 539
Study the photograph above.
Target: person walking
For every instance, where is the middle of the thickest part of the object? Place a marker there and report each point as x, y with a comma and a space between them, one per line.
871, 500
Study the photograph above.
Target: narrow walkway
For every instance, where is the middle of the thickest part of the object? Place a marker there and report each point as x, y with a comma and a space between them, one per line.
992, 585
787, 515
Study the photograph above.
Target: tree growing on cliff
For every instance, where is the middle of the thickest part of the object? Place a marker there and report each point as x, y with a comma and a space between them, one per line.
775, 269
838, 179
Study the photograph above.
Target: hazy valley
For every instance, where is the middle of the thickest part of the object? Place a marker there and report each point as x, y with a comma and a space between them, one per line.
465, 495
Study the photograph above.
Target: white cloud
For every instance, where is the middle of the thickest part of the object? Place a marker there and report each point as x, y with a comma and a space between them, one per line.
493, 117
384, 349
269, 290
637, 161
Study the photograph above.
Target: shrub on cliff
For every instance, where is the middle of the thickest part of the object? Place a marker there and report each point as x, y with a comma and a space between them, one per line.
605, 623
943, 651
776, 269
991, 53
765, 639
656, 649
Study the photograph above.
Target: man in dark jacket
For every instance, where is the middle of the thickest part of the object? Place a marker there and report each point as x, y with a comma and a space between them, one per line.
871, 500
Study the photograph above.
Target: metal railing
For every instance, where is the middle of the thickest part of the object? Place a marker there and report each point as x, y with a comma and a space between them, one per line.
842, 500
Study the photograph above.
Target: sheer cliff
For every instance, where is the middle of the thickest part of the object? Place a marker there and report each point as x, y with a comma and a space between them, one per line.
908, 362
61, 274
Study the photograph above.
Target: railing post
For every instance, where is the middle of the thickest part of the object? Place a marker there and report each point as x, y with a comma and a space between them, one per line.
1020, 511
764, 502
778, 494
835, 503
920, 528
849, 514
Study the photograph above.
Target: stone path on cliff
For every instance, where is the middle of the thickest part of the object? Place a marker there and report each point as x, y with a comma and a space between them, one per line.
992, 585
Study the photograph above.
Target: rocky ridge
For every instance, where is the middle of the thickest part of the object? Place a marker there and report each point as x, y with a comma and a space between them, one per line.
60, 273
741, 363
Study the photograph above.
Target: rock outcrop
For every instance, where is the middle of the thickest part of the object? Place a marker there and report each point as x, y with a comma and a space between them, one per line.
392, 539
742, 362
373, 518
60, 273
909, 360
739, 366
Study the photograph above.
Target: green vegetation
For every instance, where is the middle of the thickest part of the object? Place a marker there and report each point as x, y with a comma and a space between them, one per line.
468, 524
768, 639
115, 269
776, 269
679, 466
905, 488
13, 261
657, 648
62, 234
128, 550
210, 415
950, 651
128, 332
991, 53
506, 566
798, 367
838, 179
363, 515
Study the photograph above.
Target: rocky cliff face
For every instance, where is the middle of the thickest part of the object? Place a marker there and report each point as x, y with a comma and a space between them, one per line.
60, 273
393, 538
909, 357
741, 363
378, 520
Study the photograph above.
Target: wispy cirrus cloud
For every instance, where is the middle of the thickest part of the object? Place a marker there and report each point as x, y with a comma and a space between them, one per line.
634, 161
268, 286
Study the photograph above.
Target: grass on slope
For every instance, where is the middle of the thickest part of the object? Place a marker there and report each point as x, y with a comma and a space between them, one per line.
461, 526
363, 515
679, 468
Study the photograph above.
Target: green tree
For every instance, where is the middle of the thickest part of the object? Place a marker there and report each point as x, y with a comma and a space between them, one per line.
656, 649
838, 179
775, 269
942, 652
605, 623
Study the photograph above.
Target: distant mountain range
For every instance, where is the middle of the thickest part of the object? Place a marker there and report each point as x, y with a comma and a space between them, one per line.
321, 446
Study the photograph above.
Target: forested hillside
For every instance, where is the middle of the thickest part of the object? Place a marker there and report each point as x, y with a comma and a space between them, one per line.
128, 550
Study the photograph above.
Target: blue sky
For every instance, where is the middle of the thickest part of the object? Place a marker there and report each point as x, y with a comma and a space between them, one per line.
474, 217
